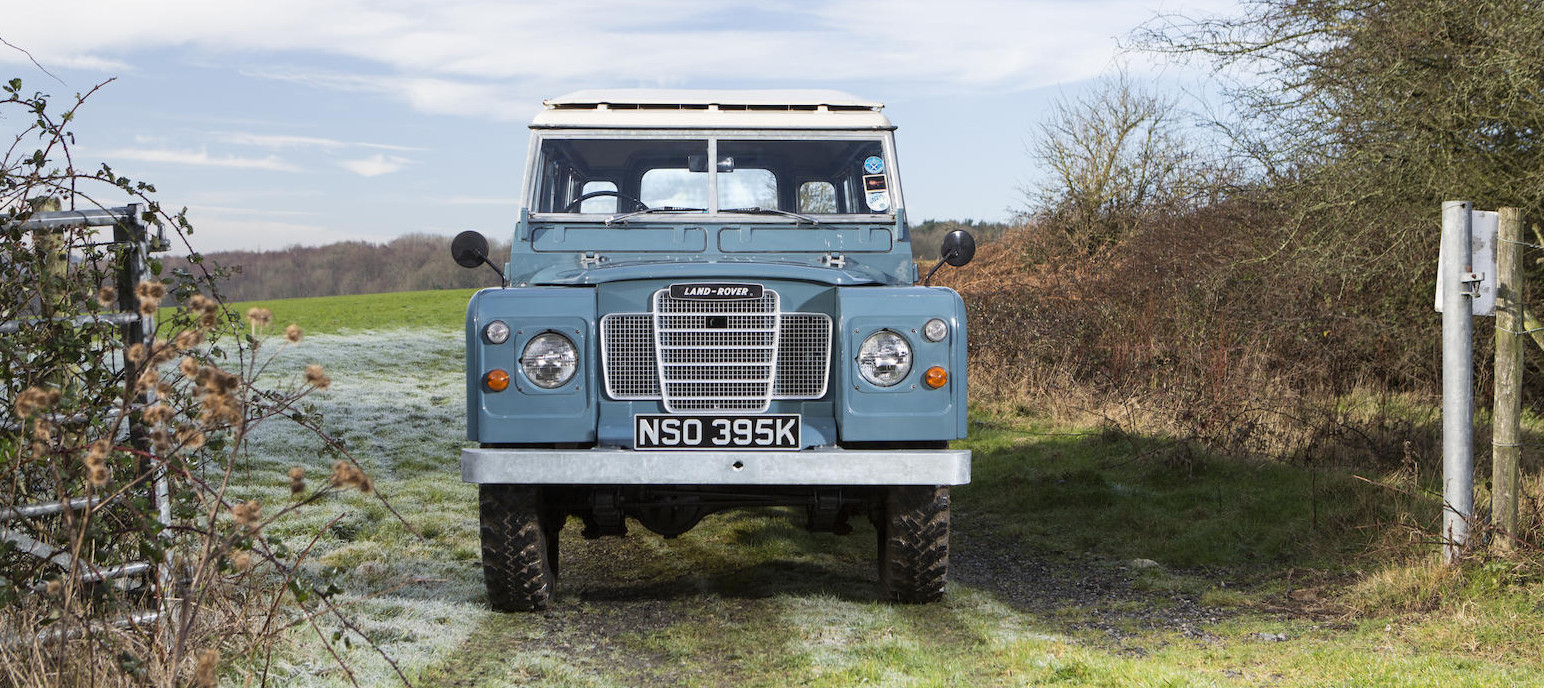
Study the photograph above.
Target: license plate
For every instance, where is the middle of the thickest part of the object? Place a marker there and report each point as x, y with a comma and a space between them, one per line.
777, 431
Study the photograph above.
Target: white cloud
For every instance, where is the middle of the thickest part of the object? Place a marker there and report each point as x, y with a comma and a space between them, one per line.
286, 141
200, 158
482, 200
375, 165
425, 94
478, 57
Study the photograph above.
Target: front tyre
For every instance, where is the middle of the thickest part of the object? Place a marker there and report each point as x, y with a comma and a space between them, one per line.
519, 547
914, 544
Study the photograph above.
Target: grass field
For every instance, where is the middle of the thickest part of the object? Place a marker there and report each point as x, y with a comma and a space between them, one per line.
443, 309
1082, 558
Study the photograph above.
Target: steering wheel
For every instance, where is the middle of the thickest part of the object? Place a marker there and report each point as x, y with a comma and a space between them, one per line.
574, 204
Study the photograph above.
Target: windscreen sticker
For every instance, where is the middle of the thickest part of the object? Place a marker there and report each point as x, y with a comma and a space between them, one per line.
874, 164
874, 182
878, 201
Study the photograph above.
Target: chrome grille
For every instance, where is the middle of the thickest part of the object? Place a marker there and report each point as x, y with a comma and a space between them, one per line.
715, 355
803, 356
627, 356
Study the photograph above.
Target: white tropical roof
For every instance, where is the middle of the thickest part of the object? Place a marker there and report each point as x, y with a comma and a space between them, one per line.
711, 109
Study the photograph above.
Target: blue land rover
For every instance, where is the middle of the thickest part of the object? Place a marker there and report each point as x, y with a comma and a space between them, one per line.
712, 303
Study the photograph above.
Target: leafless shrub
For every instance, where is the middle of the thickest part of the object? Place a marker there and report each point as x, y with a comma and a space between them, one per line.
141, 442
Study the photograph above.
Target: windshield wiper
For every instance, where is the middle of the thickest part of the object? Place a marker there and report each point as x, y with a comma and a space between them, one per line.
622, 217
771, 211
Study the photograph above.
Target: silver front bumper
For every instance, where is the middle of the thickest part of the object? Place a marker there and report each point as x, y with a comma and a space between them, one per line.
828, 466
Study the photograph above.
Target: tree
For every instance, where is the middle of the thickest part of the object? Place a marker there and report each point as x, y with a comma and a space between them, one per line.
1114, 160
1399, 100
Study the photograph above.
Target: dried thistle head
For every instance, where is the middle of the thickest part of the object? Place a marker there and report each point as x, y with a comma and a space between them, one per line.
202, 304
242, 561
297, 476
247, 514
316, 377
107, 296
216, 381
293, 333
42, 430
156, 414
161, 441
189, 339
135, 353
150, 291
219, 410
34, 399
346, 474
206, 674
162, 352
96, 462
98, 451
148, 380
259, 318
188, 367
190, 437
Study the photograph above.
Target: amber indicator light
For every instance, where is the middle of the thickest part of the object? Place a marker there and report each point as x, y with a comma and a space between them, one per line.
497, 380
936, 377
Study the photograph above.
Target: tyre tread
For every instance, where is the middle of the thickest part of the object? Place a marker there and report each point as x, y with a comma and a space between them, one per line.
518, 568
914, 552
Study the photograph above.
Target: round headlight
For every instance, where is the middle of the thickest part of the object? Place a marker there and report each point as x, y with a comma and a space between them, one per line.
549, 360
935, 330
496, 332
884, 359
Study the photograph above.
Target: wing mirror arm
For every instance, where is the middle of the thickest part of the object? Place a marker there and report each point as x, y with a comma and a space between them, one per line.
470, 249
958, 249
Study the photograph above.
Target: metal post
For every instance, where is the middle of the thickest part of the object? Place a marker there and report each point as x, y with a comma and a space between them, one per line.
1506, 442
1457, 381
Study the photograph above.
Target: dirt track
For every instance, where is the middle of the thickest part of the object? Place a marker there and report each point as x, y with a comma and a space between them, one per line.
610, 604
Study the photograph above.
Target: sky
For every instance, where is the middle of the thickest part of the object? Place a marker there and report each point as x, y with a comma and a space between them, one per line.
306, 122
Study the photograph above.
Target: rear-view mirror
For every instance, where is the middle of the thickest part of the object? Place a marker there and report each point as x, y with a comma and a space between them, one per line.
959, 247
469, 249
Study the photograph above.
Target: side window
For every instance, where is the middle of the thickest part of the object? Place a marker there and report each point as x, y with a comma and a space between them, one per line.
605, 203
747, 187
817, 197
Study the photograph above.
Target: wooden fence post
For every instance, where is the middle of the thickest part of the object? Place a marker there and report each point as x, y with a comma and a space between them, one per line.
1507, 438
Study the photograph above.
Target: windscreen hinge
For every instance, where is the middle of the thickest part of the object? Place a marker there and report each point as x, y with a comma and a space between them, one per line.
591, 260
834, 260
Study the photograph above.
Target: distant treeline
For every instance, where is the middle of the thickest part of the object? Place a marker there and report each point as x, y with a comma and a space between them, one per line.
928, 236
418, 262
413, 262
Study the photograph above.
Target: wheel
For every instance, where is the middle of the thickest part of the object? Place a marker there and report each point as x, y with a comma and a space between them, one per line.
914, 544
574, 204
519, 547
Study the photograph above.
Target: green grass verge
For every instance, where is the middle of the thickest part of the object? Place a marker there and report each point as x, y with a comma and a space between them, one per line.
441, 309
1127, 497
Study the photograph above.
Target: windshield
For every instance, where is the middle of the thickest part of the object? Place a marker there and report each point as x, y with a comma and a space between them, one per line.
626, 175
